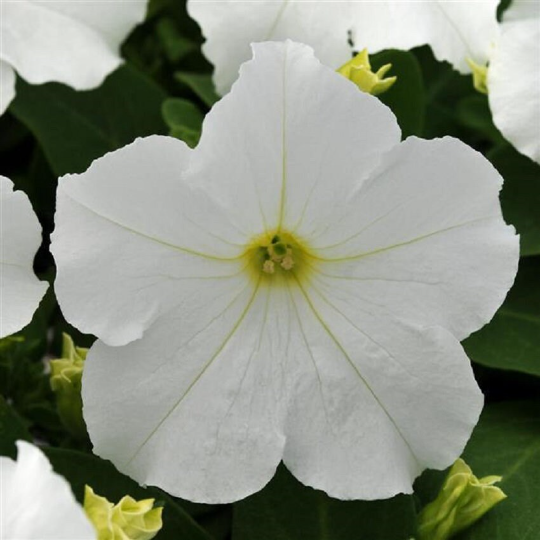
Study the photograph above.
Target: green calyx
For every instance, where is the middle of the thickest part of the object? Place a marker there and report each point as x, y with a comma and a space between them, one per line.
66, 377
479, 74
462, 501
358, 70
127, 520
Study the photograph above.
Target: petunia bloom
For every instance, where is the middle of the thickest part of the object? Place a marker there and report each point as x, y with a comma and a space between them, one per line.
513, 78
294, 288
36, 503
454, 30
74, 42
20, 237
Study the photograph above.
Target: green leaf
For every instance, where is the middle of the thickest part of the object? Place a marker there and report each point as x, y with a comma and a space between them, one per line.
287, 510
445, 88
13, 134
505, 442
473, 113
406, 97
12, 429
175, 46
184, 119
81, 469
74, 128
23, 381
200, 84
520, 196
512, 339
218, 522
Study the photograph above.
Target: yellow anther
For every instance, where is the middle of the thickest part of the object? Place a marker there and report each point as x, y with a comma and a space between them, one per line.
288, 262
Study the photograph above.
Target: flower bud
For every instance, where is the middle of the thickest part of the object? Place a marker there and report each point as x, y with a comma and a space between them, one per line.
127, 520
66, 375
358, 70
463, 499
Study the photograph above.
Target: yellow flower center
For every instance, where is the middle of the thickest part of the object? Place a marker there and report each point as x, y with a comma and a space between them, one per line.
276, 253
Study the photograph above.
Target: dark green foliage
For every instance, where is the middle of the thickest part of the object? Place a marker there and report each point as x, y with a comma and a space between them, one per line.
287, 510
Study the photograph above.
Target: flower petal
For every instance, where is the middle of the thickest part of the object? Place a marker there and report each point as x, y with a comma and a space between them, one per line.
113, 20
513, 82
37, 503
230, 27
196, 406
424, 238
380, 401
20, 290
63, 41
129, 249
522, 10
289, 123
192, 223
455, 30
7, 86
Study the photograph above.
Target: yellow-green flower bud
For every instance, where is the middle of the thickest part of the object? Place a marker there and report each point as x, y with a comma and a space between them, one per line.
358, 70
127, 520
463, 499
66, 375
479, 74
99, 511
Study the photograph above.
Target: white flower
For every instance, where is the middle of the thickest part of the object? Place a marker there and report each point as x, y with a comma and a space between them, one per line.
20, 237
514, 78
293, 289
454, 30
74, 42
36, 503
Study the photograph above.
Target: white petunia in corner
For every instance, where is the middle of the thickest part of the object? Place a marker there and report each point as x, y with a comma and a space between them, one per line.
20, 238
295, 288
514, 78
454, 30
74, 42
36, 503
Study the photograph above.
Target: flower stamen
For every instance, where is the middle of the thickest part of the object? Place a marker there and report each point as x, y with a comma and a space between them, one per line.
276, 253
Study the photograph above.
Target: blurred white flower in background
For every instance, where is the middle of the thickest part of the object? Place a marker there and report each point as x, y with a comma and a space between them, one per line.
20, 238
74, 42
295, 288
455, 30
36, 503
513, 78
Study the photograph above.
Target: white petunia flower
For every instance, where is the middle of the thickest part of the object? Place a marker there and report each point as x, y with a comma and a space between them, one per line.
20, 237
295, 288
454, 29
514, 78
74, 42
36, 503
